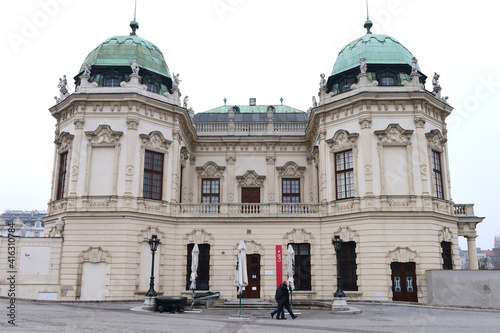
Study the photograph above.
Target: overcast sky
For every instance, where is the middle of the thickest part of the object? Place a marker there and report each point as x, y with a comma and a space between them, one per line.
251, 48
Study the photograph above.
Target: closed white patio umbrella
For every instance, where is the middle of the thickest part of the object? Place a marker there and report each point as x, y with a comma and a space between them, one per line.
195, 253
241, 277
290, 269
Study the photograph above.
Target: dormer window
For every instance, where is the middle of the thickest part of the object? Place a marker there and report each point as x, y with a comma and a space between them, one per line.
345, 87
112, 83
152, 88
387, 81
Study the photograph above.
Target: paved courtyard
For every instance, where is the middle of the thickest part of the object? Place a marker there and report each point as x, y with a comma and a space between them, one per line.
119, 317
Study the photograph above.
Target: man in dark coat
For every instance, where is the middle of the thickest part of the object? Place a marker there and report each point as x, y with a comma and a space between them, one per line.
284, 300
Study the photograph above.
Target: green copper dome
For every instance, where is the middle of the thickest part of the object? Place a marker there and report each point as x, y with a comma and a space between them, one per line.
377, 49
119, 50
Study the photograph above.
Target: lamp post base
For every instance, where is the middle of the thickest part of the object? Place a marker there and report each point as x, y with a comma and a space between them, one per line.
339, 304
149, 303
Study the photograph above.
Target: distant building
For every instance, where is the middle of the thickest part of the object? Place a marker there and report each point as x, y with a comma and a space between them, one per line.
30, 222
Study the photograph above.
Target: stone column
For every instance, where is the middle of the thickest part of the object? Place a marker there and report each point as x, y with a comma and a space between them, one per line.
366, 143
271, 176
422, 153
230, 160
75, 159
175, 166
323, 154
471, 247
193, 181
132, 124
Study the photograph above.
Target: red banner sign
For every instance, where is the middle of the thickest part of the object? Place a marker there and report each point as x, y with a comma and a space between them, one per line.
279, 262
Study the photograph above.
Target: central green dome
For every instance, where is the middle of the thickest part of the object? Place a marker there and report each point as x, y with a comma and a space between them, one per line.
377, 49
119, 50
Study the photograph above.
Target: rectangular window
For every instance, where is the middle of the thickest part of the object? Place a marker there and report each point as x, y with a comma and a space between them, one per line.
153, 175
302, 276
203, 279
446, 255
437, 174
291, 190
348, 266
61, 178
344, 174
210, 191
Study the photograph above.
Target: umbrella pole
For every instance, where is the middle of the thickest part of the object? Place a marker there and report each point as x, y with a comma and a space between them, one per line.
239, 312
291, 298
192, 300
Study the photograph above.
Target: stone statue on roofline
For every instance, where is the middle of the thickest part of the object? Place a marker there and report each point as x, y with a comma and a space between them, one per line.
414, 69
185, 101
315, 103
322, 82
176, 80
63, 89
362, 66
436, 87
134, 66
86, 69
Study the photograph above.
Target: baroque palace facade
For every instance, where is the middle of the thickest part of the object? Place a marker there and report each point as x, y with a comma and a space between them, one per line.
368, 162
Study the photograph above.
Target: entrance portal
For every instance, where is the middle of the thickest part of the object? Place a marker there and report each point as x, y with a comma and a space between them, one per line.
253, 269
404, 282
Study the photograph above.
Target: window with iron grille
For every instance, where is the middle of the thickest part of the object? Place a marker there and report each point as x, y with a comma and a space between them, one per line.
153, 175
203, 279
446, 255
344, 174
437, 174
61, 177
302, 276
348, 266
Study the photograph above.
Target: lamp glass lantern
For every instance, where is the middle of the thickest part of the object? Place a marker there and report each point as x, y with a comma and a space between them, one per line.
337, 245
154, 241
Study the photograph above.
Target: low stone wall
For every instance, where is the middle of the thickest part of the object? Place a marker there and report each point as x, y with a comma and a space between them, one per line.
463, 288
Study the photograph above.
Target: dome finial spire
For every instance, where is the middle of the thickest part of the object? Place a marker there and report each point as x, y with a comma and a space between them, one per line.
134, 24
368, 22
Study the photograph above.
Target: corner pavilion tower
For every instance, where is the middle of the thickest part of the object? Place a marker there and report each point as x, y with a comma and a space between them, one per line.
369, 163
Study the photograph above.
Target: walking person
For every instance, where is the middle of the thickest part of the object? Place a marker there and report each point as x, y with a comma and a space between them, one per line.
284, 300
276, 296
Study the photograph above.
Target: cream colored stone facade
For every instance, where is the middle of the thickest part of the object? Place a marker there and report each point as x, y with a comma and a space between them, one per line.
394, 215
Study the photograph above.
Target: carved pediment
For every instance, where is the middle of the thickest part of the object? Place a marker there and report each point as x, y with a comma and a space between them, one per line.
95, 254
445, 235
211, 169
402, 254
346, 234
435, 140
146, 234
298, 236
250, 179
343, 140
64, 142
104, 136
252, 247
291, 169
199, 236
155, 141
394, 135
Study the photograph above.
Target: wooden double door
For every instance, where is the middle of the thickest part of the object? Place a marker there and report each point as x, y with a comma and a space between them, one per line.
252, 290
404, 282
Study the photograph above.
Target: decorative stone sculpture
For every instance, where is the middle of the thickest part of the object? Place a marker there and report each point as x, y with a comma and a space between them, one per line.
59, 227
134, 66
315, 103
322, 82
86, 69
414, 69
63, 89
436, 87
362, 65
176, 81
185, 102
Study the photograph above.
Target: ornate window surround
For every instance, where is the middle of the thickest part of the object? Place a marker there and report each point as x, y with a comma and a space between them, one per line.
349, 235
94, 254
143, 237
211, 171
436, 142
290, 170
251, 179
64, 143
395, 136
403, 254
341, 141
103, 136
154, 141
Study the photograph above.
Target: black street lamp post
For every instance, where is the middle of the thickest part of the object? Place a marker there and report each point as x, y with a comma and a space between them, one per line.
337, 244
153, 244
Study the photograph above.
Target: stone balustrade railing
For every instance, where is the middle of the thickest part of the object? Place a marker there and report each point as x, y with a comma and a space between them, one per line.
248, 209
463, 210
232, 128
